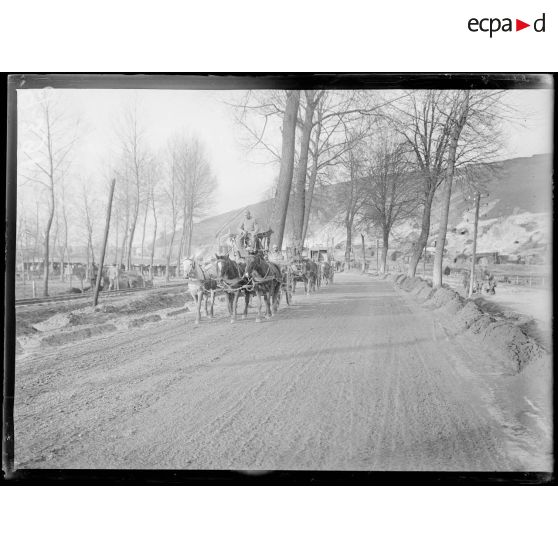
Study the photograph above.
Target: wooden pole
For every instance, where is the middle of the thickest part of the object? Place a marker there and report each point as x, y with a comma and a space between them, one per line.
102, 261
377, 256
363, 254
474, 257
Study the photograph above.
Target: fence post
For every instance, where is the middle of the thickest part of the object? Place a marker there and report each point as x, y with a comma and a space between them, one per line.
34, 295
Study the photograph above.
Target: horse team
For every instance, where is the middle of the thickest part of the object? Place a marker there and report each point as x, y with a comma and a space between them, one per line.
256, 275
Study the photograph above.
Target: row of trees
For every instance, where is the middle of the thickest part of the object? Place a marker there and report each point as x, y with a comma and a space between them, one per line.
158, 193
389, 156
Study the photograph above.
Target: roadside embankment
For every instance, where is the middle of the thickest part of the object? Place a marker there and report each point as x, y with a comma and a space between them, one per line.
504, 335
53, 326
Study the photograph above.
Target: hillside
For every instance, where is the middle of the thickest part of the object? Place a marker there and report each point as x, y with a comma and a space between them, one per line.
514, 217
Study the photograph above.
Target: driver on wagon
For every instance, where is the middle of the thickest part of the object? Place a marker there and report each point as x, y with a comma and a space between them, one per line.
248, 229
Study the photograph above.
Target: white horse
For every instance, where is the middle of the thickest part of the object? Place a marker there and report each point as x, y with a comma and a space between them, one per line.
202, 283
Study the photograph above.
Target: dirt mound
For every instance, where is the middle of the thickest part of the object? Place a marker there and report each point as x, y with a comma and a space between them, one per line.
467, 316
512, 342
179, 311
505, 334
481, 324
57, 321
106, 308
423, 291
87, 316
149, 303
138, 322
23, 327
63, 338
27, 317
449, 300
69, 322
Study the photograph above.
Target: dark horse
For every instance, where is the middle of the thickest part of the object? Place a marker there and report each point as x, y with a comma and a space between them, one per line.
267, 279
200, 284
306, 271
233, 281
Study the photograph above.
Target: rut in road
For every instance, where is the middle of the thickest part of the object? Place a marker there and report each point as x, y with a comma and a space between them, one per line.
355, 377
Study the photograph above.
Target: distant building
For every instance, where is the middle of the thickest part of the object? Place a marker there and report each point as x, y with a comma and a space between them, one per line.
487, 258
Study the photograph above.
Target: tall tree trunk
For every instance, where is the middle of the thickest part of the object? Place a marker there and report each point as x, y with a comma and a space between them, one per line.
116, 223
88, 268
132, 232
169, 251
123, 255
424, 234
66, 251
302, 170
190, 233
363, 253
180, 254
349, 228
36, 243
286, 170
46, 257
446, 199
311, 184
385, 246
143, 231
46, 242
91, 246
154, 241
55, 243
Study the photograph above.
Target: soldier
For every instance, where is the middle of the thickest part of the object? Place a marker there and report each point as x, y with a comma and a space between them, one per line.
247, 230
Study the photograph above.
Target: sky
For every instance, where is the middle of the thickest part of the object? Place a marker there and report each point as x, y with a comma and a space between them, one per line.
242, 176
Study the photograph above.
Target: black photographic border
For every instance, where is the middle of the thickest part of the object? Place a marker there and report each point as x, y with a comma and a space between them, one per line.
230, 81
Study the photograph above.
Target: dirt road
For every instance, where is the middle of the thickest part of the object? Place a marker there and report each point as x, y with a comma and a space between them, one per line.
355, 377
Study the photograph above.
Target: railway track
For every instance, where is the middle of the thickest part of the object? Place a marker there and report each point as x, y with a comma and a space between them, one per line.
89, 295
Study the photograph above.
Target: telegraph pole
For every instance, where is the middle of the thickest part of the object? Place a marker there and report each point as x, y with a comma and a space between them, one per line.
102, 261
474, 257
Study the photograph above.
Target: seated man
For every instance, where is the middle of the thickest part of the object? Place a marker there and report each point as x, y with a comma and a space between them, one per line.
247, 230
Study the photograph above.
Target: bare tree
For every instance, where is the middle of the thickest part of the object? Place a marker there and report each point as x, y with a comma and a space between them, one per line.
199, 185
286, 169
134, 155
335, 111
311, 100
172, 201
152, 178
350, 196
425, 125
65, 252
474, 140
392, 196
457, 117
46, 147
88, 222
